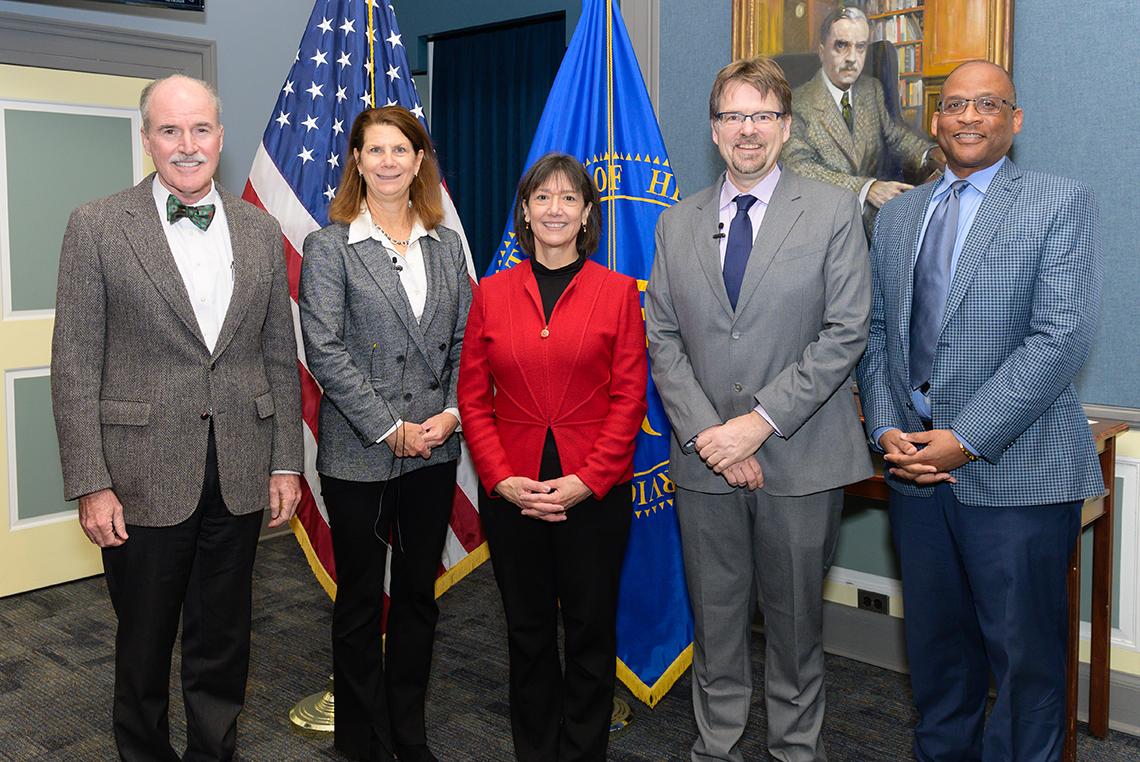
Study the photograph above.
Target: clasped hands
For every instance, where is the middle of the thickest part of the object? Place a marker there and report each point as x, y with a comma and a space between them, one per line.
419, 439
730, 449
922, 457
548, 500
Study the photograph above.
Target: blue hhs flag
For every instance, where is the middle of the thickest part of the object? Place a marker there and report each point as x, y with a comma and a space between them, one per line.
599, 111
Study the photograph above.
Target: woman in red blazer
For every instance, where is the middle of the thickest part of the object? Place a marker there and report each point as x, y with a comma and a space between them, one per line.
552, 394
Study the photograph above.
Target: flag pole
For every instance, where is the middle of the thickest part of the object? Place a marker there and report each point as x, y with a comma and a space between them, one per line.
317, 711
371, 55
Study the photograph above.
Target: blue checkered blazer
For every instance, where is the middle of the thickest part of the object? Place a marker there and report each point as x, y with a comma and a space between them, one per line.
1020, 318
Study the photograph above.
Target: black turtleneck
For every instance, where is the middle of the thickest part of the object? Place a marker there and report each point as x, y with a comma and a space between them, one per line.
551, 285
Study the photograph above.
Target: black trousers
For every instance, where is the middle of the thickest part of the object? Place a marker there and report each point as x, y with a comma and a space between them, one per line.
556, 715
380, 696
201, 569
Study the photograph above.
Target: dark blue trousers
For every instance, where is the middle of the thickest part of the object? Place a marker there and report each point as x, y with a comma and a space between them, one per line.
984, 591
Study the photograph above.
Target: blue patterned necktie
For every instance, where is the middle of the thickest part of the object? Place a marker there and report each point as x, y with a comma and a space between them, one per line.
932, 285
738, 248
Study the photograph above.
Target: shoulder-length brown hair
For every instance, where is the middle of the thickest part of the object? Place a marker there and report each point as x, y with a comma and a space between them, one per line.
542, 170
427, 201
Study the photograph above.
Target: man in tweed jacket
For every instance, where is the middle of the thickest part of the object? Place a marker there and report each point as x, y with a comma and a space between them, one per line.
823, 147
177, 404
991, 457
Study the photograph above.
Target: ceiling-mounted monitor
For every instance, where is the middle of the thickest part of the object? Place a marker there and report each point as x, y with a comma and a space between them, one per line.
181, 5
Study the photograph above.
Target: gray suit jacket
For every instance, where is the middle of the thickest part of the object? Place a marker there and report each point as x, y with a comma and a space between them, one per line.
799, 327
374, 361
134, 387
822, 148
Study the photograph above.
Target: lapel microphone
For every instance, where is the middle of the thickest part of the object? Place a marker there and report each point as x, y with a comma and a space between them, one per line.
396, 265
719, 231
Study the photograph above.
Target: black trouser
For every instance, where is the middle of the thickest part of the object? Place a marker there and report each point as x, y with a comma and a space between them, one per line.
575, 563
376, 712
201, 569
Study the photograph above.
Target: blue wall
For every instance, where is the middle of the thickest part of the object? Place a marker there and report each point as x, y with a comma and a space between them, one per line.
1070, 64
1074, 65
251, 67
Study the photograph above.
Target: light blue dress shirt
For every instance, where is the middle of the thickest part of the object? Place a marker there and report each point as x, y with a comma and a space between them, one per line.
969, 201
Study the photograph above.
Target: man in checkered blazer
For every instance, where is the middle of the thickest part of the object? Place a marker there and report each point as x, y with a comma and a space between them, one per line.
986, 299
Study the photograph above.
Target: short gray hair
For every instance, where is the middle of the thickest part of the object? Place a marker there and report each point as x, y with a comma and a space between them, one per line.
144, 96
848, 12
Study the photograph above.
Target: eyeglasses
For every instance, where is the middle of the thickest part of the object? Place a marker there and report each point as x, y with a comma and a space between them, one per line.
985, 104
737, 119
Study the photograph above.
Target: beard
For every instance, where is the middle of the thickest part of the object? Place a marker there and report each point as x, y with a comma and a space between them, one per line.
751, 164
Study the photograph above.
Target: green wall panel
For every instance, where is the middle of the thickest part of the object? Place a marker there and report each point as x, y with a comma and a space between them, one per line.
865, 539
55, 162
39, 482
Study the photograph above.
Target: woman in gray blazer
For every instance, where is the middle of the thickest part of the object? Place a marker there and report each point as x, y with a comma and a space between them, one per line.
383, 298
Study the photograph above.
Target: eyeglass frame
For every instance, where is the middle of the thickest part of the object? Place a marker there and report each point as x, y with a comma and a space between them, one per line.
776, 117
966, 101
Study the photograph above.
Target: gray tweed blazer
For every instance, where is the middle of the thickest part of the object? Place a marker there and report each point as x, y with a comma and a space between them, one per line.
374, 361
134, 388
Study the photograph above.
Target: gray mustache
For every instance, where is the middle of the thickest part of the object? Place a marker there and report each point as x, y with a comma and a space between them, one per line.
198, 157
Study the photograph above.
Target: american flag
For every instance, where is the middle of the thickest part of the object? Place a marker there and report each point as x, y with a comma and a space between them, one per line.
295, 175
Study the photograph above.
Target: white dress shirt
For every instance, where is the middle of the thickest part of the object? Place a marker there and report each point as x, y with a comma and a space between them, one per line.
763, 192
412, 271
205, 259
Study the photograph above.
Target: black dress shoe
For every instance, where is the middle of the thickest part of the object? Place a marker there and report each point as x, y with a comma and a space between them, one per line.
415, 753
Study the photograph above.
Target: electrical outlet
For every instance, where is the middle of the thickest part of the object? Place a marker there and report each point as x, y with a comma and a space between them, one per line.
875, 602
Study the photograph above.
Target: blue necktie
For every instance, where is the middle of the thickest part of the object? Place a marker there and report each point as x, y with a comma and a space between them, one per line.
932, 285
738, 248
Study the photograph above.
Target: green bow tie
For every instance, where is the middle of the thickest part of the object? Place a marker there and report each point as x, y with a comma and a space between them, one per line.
201, 216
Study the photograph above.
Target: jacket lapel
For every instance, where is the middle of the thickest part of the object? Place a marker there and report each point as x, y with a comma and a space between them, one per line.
706, 247
866, 132
244, 249
828, 115
143, 230
1003, 189
375, 259
783, 211
909, 245
433, 265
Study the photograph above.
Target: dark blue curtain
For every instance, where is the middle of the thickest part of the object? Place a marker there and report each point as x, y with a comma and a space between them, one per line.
489, 86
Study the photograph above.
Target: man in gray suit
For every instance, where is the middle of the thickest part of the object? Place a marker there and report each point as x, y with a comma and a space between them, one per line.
843, 134
752, 339
177, 405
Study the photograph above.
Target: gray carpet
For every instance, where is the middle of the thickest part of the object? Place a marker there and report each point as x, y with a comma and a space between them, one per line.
56, 681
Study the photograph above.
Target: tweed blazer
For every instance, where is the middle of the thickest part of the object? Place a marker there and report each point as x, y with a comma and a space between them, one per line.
134, 388
822, 148
798, 329
374, 361
1020, 319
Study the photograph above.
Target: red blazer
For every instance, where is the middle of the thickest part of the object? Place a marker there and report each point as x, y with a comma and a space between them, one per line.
586, 379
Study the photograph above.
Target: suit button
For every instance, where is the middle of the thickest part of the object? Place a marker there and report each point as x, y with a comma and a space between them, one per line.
205, 415
443, 346
433, 385
736, 334
399, 358
408, 397
737, 388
